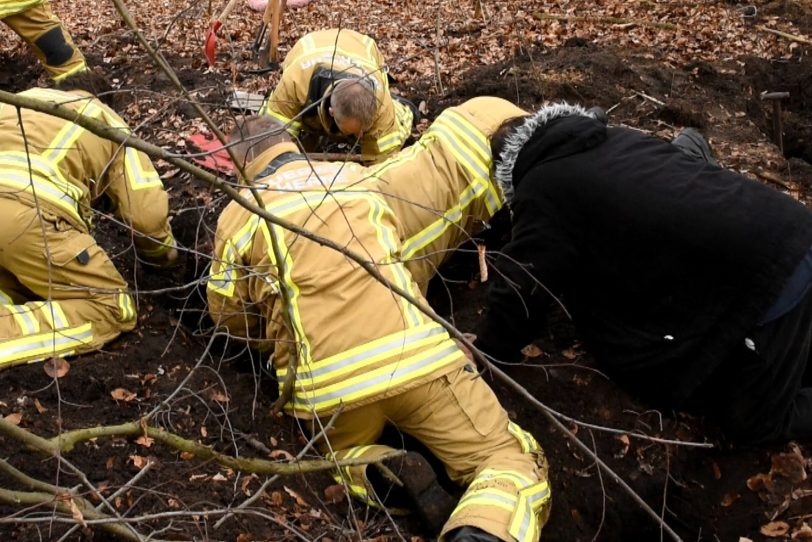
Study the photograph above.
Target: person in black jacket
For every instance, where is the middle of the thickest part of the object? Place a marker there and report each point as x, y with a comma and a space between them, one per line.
688, 282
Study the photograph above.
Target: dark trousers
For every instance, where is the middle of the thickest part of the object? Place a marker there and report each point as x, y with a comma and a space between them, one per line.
764, 393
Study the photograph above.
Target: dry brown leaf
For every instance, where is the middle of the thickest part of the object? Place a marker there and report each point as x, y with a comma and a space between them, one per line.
717, 472
186, 456
56, 367
203, 431
804, 532
120, 394
624, 439
14, 418
335, 493
219, 396
218, 478
245, 537
76, 513
298, 498
570, 353
759, 482
790, 465
276, 454
730, 498
277, 498
139, 461
532, 351
41, 409
145, 441
775, 529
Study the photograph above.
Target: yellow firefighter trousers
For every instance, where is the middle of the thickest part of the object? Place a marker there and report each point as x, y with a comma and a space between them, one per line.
59, 292
459, 418
51, 42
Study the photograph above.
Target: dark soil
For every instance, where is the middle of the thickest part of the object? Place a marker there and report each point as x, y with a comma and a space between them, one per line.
703, 494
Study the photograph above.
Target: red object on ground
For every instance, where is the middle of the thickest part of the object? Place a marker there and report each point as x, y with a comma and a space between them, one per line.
211, 41
217, 159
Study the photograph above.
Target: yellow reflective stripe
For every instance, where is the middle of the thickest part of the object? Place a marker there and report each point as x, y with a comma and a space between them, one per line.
139, 176
82, 66
53, 314
389, 141
388, 240
22, 161
40, 188
488, 496
437, 228
221, 279
24, 317
293, 126
60, 342
286, 281
528, 442
126, 306
476, 139
368, 353
369, 43
162, 247
12, 8
5, 299
64, 140
376, 381
524, 525
308, 43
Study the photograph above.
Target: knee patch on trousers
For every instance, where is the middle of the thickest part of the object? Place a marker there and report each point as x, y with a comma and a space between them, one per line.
53, 45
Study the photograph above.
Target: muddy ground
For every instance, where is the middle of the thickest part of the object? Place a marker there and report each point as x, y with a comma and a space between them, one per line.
703, 494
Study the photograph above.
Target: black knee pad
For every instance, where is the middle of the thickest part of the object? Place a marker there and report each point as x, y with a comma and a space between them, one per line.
53, 45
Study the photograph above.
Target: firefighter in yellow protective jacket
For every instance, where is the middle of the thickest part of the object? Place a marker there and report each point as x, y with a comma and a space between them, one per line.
315, 94
34, 22
59, 292
358, 346
441, 187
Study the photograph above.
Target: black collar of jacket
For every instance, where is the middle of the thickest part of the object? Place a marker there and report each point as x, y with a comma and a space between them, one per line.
278, 162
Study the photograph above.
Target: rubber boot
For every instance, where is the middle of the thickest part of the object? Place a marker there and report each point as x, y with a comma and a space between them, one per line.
470, 534
421, 490
691, 142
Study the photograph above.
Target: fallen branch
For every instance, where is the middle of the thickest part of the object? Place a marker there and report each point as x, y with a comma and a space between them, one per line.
790, 37
65, 442
65, 500
602, 20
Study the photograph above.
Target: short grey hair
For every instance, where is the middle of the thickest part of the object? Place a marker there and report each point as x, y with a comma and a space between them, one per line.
255, 135
354, 98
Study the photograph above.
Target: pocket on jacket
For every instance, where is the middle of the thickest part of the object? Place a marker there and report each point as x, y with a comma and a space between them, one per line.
67, 246
477, 400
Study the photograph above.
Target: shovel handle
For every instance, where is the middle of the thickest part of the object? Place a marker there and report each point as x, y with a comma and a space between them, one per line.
227, 10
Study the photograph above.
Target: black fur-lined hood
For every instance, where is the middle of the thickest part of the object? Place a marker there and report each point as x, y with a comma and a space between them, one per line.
542, 137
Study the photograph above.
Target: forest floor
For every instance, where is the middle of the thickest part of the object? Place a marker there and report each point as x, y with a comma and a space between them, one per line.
656, 66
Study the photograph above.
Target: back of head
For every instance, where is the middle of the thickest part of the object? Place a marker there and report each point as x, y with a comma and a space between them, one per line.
354, 99
93, 82
255, 135
500, 137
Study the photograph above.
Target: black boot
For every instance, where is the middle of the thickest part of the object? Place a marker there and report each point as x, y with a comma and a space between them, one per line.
421, 491
691, 142
470, 534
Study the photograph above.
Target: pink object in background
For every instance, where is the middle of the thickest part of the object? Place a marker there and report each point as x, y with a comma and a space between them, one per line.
259, 5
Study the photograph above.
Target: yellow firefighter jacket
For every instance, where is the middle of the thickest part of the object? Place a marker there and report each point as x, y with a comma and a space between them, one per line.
13, 7
315, 62
62, 168
441, 188
354, 340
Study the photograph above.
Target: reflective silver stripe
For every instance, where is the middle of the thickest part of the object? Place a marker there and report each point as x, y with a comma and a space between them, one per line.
25, 319
474, 165
396, 343
42, 188
476, 138
392, 374
139, 177
47, 170
49, 342
5, 299
70, 132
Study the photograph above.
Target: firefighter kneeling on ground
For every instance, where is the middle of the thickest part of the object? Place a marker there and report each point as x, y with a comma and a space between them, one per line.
34, 22
359, 347
59, 292
315, 95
